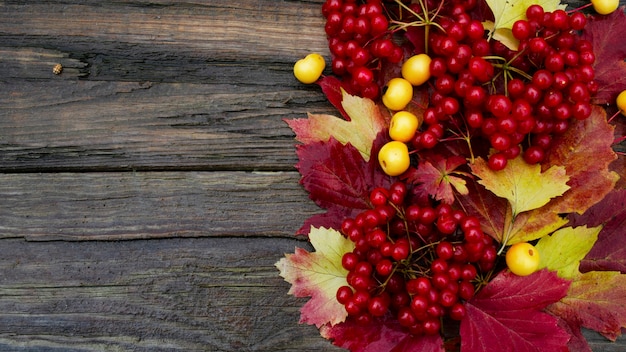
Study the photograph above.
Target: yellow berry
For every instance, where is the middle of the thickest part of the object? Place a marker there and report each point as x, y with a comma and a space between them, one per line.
403, 126
522, 259
309, 69
394, 158
621, 102
605, 7
416, 69
398, 94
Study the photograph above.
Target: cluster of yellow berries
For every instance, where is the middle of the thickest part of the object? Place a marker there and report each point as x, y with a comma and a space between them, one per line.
394, 156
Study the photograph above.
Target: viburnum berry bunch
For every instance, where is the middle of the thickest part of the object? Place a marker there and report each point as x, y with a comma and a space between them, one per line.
418, 262
474, 185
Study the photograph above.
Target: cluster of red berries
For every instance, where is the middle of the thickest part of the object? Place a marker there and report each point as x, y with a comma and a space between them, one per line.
359, 41
418, 263
513, 98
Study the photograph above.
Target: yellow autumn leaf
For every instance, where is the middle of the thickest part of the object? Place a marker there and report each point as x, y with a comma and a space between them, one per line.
366, 121
503, 35
564, 249
523, 185
318, 275
506, 12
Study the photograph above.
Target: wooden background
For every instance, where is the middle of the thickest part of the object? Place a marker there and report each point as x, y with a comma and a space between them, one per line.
148, 190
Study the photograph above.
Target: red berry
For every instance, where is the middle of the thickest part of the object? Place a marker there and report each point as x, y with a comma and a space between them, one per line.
497, 161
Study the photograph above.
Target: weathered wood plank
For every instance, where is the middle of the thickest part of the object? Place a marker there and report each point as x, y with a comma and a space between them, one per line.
167, 295
96, 126
111, 206
154, 86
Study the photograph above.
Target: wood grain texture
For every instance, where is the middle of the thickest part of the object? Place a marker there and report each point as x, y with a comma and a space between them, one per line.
147, 191
122, 206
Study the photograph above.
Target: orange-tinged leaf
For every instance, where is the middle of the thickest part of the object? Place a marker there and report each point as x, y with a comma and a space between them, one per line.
366, 121
318, 274
595, 300
535, 224
585, 151
523, 185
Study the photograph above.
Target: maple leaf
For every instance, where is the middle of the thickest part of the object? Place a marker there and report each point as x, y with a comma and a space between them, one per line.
337, 179
595, 300
506, 315
366, 122
564, 249
585, 151
382, 334
505, 14
436, 177
610, 51
331, 87
609, 252
523, 185
318, 274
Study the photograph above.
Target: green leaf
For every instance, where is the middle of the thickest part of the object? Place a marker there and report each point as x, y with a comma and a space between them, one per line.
318, 274
565, 248
523, 185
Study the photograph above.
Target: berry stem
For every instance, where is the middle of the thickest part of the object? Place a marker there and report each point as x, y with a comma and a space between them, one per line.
579, 8
612, 117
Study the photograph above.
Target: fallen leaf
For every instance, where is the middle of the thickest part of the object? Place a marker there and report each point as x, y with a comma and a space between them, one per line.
366, 122
507, 315
564, 249
595, 300
610, 52
525, 186
381, 335
337, 179
585, 151
609, 252
503, 35
437, 178
506, 12
318, 274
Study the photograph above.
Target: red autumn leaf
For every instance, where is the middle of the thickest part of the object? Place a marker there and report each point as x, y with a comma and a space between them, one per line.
337, 179
609, 47
585, 151
507, 315
578, 341
595, 300
609, 251
381, 335
436, 177
331, 86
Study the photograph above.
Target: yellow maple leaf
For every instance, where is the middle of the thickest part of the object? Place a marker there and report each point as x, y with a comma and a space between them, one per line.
506, 12
564, 249
318, 275
366, 121
523, 185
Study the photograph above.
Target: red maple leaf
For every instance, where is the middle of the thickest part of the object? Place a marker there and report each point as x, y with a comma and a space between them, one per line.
609, 47
507, 315
436, 177
331, 86
609, 251
338, 179
384, 334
